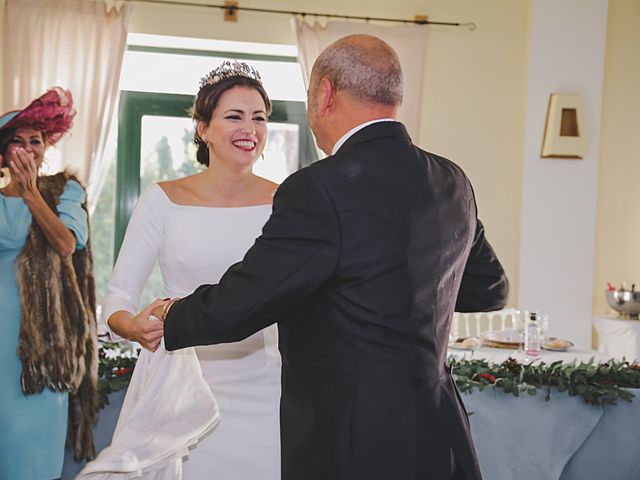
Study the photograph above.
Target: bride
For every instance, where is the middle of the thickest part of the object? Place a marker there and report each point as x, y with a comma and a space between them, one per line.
196, 227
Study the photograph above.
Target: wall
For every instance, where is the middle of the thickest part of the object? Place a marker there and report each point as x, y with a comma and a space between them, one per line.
618, 219
473, 109
559, 196
474, 112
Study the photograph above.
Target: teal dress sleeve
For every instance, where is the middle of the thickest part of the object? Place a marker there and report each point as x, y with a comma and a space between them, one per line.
72, 214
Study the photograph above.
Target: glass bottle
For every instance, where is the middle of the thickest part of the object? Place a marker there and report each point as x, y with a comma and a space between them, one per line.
532, 335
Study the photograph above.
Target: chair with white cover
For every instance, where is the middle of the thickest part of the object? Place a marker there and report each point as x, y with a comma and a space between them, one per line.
474, 324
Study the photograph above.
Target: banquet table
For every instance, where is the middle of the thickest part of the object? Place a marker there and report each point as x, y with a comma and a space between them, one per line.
561, 439
523, 438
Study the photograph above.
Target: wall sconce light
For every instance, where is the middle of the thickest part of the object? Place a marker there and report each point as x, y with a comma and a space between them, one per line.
564, 133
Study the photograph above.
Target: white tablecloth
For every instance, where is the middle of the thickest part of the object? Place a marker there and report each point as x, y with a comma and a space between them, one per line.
499, 355
618, 337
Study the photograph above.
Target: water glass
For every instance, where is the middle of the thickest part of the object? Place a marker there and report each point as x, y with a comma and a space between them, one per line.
543, 321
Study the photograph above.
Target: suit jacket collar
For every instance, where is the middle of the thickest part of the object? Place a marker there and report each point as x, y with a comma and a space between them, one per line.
376, 131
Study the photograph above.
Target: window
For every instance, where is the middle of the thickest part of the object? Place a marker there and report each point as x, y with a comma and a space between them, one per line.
154, 143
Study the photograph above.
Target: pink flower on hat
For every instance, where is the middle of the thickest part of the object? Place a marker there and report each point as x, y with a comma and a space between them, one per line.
52, 113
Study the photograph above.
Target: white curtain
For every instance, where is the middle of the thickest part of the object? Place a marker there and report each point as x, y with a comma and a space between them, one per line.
75, 44
409, 42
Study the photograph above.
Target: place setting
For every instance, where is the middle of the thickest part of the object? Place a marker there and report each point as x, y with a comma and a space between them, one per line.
525, 335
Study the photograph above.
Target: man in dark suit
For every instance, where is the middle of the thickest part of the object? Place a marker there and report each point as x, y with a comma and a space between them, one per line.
362, 262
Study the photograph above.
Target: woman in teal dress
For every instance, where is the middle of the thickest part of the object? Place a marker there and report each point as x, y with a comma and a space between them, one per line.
47, 345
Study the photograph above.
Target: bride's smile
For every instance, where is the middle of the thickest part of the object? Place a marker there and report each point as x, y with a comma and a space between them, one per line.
237, 131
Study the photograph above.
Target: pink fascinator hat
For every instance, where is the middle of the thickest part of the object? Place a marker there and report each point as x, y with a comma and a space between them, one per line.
52, 113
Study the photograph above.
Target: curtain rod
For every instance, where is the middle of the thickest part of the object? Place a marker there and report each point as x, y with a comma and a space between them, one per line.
231, 9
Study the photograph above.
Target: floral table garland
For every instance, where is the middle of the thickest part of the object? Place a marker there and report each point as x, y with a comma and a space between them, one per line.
116, 361
595, 383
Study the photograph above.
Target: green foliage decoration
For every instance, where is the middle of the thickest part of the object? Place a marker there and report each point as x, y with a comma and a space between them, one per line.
116, 361
596, 383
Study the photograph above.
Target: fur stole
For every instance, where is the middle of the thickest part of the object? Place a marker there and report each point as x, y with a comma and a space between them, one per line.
58, 333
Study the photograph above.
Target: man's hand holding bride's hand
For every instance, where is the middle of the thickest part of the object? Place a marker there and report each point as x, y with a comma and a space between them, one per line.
145, 329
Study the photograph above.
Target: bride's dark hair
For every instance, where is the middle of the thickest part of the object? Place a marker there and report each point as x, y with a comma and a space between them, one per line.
207, 100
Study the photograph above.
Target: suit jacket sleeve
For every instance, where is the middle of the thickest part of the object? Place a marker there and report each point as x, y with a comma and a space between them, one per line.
484, 285
296, 253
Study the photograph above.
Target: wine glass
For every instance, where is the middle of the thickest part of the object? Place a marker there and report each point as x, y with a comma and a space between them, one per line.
519, 321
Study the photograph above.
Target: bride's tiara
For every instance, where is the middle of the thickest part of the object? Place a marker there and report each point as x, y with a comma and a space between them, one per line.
230, 69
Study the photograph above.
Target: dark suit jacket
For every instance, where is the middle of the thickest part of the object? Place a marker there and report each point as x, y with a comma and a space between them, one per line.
360, 264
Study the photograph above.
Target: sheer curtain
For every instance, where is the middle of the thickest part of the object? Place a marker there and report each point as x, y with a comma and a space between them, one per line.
75, 44
409, 42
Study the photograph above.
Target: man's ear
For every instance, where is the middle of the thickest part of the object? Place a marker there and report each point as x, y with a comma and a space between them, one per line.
326, 97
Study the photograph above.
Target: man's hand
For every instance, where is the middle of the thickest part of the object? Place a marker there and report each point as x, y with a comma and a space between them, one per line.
146, 328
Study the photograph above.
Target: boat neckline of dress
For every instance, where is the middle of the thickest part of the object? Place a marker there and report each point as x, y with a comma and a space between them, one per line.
208, 206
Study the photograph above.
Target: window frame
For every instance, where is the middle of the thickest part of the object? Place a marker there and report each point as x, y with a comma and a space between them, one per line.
135, 105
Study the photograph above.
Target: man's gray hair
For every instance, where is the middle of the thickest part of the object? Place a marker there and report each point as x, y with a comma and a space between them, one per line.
365, 67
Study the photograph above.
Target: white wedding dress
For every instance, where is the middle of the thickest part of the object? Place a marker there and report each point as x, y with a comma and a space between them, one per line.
194, 246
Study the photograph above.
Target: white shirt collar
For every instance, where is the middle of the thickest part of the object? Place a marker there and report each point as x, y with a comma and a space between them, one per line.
346, 136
